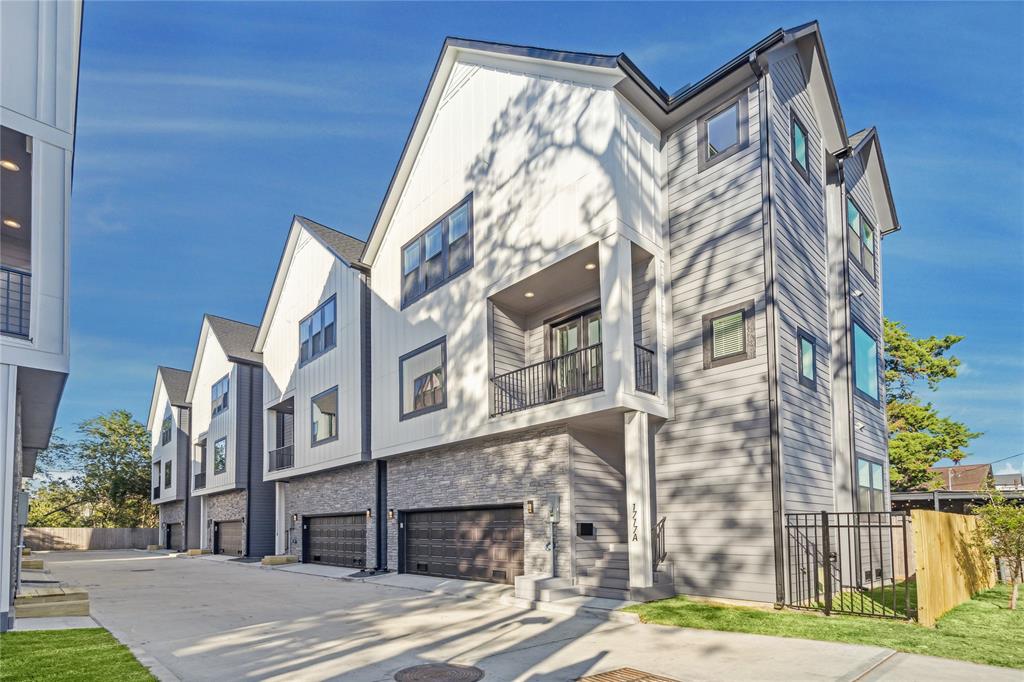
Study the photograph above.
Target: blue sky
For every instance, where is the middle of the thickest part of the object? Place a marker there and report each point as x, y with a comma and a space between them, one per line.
203, 127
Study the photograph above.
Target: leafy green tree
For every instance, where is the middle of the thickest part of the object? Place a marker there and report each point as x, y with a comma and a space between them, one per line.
110, 472
918, 435
55, 504
1001, 526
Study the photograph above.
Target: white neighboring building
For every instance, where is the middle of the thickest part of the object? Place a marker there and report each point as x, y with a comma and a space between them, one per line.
39, 51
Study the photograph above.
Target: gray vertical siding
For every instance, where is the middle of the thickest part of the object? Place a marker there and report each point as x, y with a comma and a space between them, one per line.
508, 341
801, 268
713, 457
598, 493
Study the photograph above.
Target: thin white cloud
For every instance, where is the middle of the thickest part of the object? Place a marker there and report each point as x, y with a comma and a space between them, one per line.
267, 86
233, 127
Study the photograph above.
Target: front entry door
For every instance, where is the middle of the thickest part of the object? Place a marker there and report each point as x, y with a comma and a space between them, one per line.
573, 372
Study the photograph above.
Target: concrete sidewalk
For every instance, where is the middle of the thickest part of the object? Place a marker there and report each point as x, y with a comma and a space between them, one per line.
207, 620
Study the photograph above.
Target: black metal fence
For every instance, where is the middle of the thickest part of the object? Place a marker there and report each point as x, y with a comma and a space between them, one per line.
282, 458
15, 301
854, 563
660, 550
200, 481
566, 376
644, 362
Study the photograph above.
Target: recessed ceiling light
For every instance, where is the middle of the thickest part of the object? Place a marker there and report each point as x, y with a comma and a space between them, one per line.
10, 165
528, 294
11, 222
589, 266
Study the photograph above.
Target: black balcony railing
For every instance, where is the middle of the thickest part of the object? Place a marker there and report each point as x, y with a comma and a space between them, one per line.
200, 481
566, 376
15, 296
156, 492
645, 378
282, 458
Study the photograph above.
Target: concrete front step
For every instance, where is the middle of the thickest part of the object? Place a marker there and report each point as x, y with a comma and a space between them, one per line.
32, 564
605, 571
603, 592
602, 580
48, 602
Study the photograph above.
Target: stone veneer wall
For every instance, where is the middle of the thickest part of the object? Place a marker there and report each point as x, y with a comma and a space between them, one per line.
348, 490
172, 512
506, 469
229, 506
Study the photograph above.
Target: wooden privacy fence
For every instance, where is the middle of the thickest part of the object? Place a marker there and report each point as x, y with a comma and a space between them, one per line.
90, 538
950, 566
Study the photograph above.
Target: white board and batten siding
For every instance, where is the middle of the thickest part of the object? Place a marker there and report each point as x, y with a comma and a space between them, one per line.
801, 270
212, 368
313, 277
713, 457
553, 165
171, 451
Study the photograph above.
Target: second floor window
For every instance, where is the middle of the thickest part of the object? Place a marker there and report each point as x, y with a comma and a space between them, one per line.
422, 377
168, 475
317, 333
325, 416
862, 238
439, 253
219, 397
865, 362
220, 456
165, 430
870, 486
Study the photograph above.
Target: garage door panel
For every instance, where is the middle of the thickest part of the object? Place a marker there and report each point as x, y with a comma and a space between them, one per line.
474, 544
336, 540
230, 538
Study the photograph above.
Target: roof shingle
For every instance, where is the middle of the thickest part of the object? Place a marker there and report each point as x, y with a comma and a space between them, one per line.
236, 338
176, 384
343, 245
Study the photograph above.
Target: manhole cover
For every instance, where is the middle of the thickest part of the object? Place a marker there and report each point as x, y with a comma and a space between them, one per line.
439, 672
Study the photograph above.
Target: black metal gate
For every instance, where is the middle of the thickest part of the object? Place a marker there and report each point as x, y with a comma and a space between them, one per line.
854, 563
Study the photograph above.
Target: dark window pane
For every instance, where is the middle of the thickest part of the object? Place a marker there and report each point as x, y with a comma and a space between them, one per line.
799, 145
723, 131
865, 362
432, 242
458, 224
411, 258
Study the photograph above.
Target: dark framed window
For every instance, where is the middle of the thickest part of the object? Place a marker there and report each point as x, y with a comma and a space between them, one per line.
422, 376
220, 456
219, 396
318, 332
324, 417
722, 132
799, 152
168, 474
862, 238
865, 362
807, 359
439, 253
728, 335
870, 486
165, 430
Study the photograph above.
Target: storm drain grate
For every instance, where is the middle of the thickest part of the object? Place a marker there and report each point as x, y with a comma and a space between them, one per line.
439, 672
626, 675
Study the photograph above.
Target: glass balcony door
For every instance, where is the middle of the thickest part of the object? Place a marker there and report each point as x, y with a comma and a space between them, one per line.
575, 369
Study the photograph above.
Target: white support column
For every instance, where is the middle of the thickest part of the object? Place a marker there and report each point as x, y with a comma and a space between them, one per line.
616, 259
204, 541
8, 426
638, 500
281, 518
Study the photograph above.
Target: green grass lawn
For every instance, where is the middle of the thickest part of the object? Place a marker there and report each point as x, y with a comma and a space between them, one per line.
87, 654
982, 630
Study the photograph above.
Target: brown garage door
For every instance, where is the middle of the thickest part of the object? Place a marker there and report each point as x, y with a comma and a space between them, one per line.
472, 544
175, 536
335, 540
229, 538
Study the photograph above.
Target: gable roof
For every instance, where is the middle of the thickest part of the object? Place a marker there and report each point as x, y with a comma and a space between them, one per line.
345, 248
663, 109
236, 339
176, 384
963, 477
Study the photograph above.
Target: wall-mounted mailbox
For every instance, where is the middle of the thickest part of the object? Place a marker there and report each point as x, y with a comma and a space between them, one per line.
554, 502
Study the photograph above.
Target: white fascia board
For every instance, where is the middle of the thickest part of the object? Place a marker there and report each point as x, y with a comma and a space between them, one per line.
152, 402
870, 150
275, 291
197, 360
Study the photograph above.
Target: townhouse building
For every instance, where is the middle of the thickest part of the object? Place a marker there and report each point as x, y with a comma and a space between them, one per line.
169, 428
39, 52
236, 506
601, 337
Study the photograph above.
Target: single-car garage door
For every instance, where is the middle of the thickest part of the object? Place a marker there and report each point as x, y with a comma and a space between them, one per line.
175, 537
229, 538
335, 540
472, 544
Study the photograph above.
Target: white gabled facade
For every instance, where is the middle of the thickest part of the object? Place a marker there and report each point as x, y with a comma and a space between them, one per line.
168, 426
39, 53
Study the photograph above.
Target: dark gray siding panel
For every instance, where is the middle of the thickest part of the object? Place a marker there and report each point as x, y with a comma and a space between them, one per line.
713, 457
261, 500
598, 493
801, 268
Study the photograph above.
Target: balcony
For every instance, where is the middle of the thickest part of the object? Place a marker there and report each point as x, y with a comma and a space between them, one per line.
15, 297
281, 458
199, 481
560, 378
646, 379
156, 492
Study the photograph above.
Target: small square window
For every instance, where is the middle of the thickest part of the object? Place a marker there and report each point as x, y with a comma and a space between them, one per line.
865, 363
422, 378
722, 132
324, 424
728, 335
807, 358
798, 147
220, 456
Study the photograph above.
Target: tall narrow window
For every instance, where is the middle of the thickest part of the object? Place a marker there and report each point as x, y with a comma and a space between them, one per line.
317, 332
168, 475
220, 456
862, 238
439, 253
422, 377
807, 359
728, 335
870, 486
722, 132
798, 146
165, 430
219, 396
324, 413
865, 362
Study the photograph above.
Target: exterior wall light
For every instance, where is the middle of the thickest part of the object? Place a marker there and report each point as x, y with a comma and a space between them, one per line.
529, 506
295, 518
369, 513
391, 514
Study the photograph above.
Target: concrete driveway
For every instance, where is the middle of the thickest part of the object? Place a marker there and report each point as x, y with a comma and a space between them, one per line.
198, 619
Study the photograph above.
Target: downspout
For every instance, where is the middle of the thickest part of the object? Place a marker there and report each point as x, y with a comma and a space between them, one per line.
768, 230
188, 480
248, 472
847, 328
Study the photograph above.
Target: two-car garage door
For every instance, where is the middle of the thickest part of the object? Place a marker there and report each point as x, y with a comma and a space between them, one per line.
335, 540
473, 544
